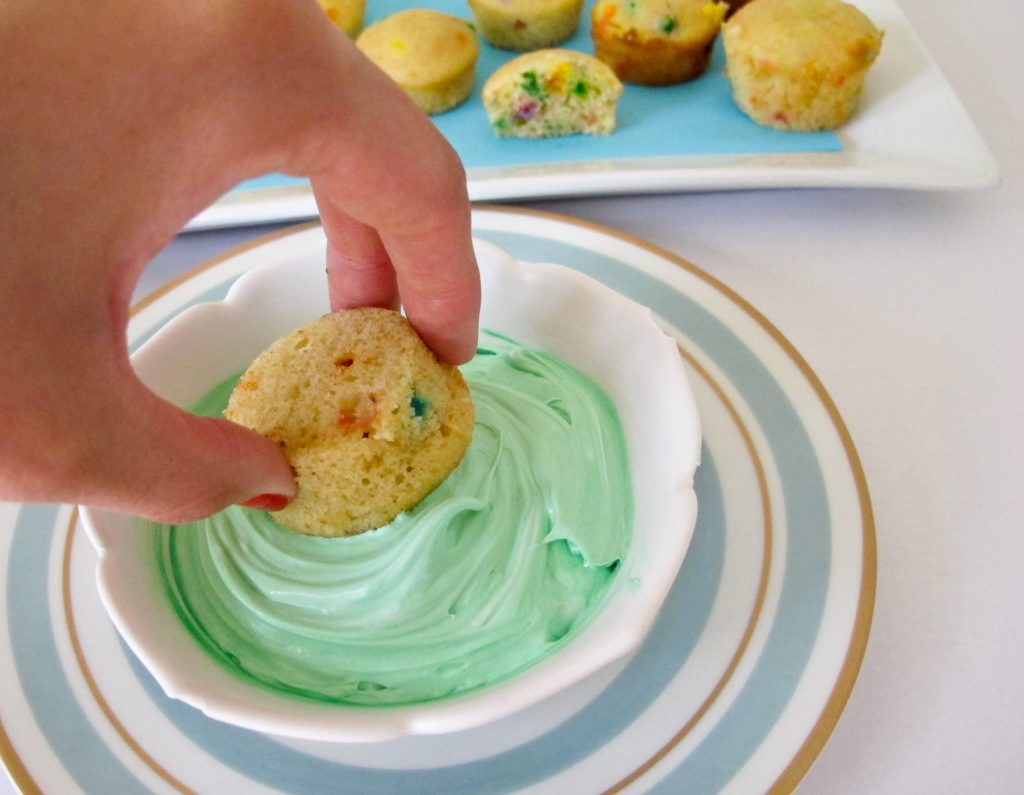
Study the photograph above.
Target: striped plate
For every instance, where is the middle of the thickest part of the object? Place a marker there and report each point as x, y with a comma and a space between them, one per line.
736, 690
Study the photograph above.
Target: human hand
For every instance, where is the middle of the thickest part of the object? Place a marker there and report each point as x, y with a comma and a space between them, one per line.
120, 120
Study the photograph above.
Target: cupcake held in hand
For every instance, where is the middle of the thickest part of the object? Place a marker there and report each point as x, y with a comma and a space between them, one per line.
365, 414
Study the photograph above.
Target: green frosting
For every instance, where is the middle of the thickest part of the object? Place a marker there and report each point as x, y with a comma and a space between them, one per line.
504, 562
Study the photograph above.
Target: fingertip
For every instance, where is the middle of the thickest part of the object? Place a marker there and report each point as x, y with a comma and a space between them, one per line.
452, 339
442, 301
261, 466
267, 502
461, 348
205, 464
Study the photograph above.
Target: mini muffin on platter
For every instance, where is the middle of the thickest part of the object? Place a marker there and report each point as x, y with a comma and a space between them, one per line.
347, 15
656, 42
431, 55
365, 414
526, 24
799, 64
552, 92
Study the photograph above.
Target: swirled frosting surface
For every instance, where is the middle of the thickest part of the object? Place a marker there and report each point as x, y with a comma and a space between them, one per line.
492, 572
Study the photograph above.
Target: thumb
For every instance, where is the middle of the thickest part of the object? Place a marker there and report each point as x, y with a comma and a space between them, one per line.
172, 466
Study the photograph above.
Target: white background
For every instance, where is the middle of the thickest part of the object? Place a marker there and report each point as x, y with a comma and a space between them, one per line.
910, 308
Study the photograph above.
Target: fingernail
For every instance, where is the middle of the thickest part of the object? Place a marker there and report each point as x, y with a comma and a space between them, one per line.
267, 502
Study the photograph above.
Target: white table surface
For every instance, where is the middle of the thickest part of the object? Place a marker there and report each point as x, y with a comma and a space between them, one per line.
910, 308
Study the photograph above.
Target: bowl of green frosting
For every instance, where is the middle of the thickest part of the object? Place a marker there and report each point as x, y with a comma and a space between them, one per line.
543, 558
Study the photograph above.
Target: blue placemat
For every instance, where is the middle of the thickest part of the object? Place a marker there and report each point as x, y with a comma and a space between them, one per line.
694, 118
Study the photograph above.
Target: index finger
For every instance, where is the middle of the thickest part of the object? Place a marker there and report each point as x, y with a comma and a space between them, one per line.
387, 171
426, 262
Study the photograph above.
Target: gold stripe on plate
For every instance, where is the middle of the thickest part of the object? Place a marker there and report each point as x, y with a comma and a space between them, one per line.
90, 680
762, 585
15, 767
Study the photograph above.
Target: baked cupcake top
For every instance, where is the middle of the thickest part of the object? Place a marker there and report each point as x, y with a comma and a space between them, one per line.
683, 22
800, 35
420, 48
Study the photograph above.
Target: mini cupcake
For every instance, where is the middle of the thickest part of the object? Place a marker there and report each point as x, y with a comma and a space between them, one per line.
656, 42
368, 418
526, 24
799, 64
431, 55
347, 15
552, 92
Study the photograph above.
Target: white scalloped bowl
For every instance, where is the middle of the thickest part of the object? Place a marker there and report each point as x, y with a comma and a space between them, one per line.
615, 341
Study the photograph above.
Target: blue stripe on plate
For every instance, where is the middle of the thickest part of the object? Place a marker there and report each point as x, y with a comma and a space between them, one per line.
644, 679
43, 680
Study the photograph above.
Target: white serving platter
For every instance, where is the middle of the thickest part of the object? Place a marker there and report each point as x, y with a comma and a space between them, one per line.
911, 132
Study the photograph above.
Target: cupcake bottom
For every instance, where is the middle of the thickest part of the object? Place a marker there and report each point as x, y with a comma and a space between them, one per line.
443, 96
656, 62
804, 102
